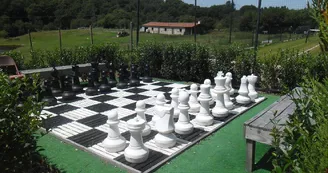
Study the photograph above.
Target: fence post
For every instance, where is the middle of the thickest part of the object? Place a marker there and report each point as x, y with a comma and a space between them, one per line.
258, 24
30, 38
91, 34
60, 40
231, 20
131, 36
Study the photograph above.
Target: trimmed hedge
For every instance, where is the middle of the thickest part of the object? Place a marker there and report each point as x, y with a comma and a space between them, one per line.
192, 62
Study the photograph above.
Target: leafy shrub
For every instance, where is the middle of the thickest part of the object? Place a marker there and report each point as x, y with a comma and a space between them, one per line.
302, 146
19, 121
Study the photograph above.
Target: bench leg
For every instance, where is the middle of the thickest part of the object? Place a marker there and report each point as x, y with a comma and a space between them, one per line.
250, 155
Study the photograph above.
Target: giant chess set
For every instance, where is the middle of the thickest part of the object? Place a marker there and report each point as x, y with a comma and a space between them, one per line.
136, 123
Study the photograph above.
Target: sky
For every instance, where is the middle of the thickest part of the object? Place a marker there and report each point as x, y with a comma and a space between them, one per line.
293, 4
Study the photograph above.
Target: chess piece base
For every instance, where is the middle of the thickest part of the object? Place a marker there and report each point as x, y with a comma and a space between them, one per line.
243, 100
112, 83
183, 128
253, 96
91, 91
228, 105
165, 140
136, 155
68, 95
121, 85
104, 88
50, 101
114, 145
147, 79
204, 120
194, 108
134, 82
146, 131
220, 112
77, 88
56, 92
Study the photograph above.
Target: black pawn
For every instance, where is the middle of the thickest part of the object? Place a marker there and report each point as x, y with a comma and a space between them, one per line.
95, 73
68, 93
121, 79
91, 90
48, 98
112, 81
147, 78
104, 87
55, 85
134, 81
76, 79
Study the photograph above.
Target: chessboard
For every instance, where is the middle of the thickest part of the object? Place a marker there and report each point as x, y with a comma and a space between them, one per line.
82, 122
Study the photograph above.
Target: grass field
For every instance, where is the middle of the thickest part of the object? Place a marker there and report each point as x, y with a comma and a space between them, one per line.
49, 40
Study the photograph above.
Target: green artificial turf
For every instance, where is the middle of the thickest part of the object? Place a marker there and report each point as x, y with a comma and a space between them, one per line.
224, 151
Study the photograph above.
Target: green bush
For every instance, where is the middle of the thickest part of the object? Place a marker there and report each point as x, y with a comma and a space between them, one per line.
302, 146
19, 121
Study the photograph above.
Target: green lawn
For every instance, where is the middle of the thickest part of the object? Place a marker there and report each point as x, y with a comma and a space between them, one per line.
49, 40
224, 151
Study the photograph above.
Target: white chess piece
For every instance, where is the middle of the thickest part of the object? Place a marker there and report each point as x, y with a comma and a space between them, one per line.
243, 97
232, 91
136, 152
227, 101
193, 102
141, 109
220, 110
204, 117
174, 102
165, 127
160, 101
114, 141
212, 95
252, 79
183, 126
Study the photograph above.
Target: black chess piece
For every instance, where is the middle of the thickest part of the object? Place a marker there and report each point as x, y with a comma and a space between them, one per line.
91, 90
48, 97
121, 79
146, 78
76, 87
95, 73
68, 93
104, 87
55, 85
111, 70
134, 81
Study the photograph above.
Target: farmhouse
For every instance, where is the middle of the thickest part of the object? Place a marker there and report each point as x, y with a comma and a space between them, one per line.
169, 28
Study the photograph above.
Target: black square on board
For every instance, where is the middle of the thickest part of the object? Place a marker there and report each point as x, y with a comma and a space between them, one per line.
62, 109
94, 121
196, 134
127, 118
53, 122
167, 96
132, 106
103, 98
137, 97
164, 89
89, 138
101, 107
154, 158
136, 90
72, 100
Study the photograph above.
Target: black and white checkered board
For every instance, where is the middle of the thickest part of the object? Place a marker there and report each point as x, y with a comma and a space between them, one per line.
82, 122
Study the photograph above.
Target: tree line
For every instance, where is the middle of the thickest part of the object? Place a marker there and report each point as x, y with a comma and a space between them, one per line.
19, 16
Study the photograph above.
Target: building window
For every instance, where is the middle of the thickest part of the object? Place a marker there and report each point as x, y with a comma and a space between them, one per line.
164, 29
180, 30
152, 28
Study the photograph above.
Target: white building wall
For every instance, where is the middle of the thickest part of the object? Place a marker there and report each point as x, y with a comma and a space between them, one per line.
167, 31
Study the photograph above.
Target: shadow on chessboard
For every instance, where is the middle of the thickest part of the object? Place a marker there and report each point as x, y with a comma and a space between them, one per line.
265, 162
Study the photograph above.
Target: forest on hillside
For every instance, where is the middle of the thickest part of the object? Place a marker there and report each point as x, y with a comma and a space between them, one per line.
19, 16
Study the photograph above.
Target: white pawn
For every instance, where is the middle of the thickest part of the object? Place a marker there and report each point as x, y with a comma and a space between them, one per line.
136, 152
252, 79
212, 95
227, 102
114, 141
141, 109
165, 127
160, 101
243, 97
193, 102
220, 110
174, 102
183, 126
204, 117
232, 90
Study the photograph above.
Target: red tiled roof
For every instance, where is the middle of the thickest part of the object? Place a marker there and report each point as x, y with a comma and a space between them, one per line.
169, 24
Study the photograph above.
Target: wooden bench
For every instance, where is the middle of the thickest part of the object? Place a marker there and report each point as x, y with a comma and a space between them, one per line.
258, 128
